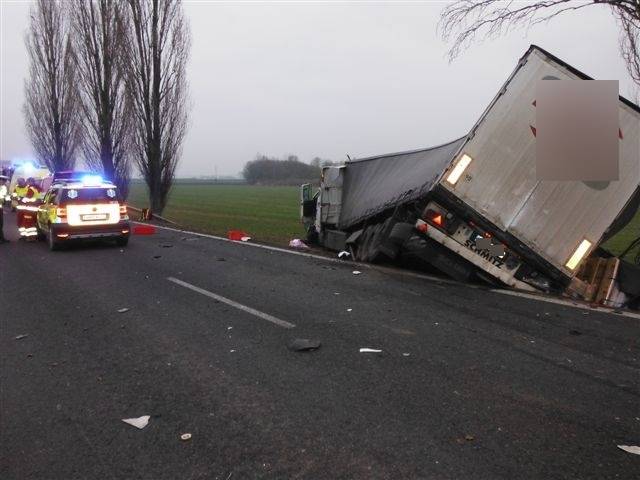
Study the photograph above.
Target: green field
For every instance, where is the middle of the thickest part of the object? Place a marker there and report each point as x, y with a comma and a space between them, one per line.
267, 214
624, 237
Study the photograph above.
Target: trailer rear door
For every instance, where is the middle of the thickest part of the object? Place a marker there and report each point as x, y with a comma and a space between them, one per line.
551, 218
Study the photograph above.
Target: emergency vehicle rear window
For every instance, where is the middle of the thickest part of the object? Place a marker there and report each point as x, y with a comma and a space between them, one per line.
93, 195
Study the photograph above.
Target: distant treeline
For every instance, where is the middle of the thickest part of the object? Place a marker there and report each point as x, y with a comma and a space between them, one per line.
264, 170
201, 181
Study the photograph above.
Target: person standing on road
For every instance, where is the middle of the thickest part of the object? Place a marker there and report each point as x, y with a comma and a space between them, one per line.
3, 195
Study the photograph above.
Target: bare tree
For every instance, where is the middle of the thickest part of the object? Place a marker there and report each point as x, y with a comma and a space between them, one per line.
51, 99
98, 36
156, 56
462, 21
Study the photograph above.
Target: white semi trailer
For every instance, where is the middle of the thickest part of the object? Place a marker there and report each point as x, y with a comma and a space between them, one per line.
473, 207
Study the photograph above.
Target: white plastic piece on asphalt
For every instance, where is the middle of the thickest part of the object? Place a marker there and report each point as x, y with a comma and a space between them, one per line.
239, 306
630, 448
370, 350
357, 272
344, 254
396, 271
21, 336
245, 239
122, 310
185, 436
139, 422
349, 309
406, 354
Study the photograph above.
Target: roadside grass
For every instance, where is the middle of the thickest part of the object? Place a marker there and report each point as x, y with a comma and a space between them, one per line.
267, 214
624, 237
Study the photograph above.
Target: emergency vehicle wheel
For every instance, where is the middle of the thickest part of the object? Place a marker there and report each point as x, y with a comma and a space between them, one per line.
53, 244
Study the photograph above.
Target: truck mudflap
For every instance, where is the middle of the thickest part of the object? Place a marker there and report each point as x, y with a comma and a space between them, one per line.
487, 263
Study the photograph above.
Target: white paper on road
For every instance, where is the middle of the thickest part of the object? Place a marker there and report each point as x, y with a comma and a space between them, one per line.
343, 254
122, 310
370, 350
185, 436
139, 422
630, 448
357, 272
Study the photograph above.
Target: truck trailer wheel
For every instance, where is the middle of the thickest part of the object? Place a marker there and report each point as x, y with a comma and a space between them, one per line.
363, 245
401, 232
378, 237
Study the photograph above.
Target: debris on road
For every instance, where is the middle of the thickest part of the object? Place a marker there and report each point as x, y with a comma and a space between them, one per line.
123, 310
469, 438
630, 449
21, 336
238, 235
349, 309
357, 272
144, 230
229, 328
139, 422
157, 256
370, 350
222, 259
344, 254
166, 245
297, 243
406, 354
575, 332
303, 345
185, 436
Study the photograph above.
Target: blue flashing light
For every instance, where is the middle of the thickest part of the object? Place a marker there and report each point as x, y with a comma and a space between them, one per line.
91, 180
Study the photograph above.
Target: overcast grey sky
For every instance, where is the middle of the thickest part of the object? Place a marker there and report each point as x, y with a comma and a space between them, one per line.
326, 79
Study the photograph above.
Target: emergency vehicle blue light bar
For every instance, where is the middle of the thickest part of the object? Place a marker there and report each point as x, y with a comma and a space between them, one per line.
92, 179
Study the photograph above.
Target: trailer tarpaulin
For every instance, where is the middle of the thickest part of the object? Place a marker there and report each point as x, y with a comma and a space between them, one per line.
375, 184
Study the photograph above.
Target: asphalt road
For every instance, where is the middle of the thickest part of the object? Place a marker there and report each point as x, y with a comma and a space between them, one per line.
470, 384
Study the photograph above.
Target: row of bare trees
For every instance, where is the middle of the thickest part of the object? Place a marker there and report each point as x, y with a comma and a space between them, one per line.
107, 79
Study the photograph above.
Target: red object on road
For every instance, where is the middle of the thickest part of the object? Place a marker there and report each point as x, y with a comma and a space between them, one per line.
144, 230
237, 235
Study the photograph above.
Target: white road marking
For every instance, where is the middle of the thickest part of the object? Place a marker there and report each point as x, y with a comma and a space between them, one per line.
239, 306
539, 297
562, 301
252, 244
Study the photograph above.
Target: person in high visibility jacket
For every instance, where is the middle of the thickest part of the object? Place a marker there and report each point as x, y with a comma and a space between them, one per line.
3, 193
19, 191
27, 211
